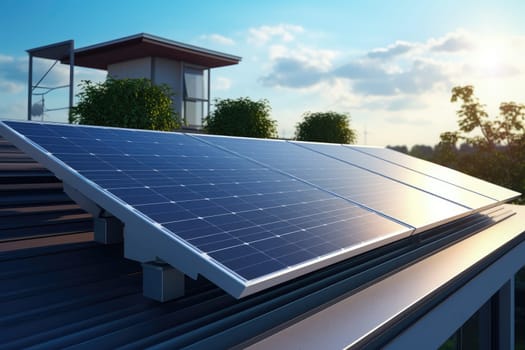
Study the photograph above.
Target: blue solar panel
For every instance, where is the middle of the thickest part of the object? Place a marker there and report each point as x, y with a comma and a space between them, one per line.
398, 201
243, 225
443, 189
457, 178
245, 213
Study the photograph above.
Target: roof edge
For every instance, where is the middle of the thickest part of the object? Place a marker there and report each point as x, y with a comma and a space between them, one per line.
50, 47
150, 37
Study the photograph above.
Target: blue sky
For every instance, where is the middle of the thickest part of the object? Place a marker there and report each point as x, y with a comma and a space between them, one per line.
390, 65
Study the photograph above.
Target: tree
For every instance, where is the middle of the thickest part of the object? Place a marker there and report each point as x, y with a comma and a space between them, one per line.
422, 151
495, 147
128, 103
399, 148
505, 130
241, 117
330, 127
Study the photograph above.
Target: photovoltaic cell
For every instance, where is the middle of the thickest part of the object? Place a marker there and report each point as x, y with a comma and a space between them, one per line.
457, 178
440, 188
396, 200
255, 226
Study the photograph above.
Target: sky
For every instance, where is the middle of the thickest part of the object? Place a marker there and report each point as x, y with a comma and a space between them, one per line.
389, 65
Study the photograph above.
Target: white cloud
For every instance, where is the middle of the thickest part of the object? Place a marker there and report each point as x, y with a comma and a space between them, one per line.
321, 59
396, 49
11, 87
218, 39
297, 66
293, 73
456, 41
403, 87
263, 34
400, 120
221, 84
15, 70
402, 68
6, 59
16, 109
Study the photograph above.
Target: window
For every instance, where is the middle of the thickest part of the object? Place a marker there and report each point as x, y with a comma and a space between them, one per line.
196, 96
467, 337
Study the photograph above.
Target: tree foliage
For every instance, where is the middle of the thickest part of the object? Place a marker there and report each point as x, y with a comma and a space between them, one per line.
399, 148
422, 151
330, 127
241, 117
128, 103
493, 149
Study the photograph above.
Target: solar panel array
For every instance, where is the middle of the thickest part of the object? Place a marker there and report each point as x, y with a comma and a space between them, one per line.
248, 213
439, 172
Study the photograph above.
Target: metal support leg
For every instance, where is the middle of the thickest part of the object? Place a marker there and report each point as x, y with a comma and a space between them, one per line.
162, 282
108, 230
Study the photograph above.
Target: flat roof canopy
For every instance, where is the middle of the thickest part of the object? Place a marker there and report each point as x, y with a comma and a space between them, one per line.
57, 51
101, 55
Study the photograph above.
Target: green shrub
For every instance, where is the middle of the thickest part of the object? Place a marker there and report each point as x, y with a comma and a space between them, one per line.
127, 103
330, 127
241, 117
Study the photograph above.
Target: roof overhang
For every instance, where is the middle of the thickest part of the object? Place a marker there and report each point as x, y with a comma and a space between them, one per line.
100, 56
56, 51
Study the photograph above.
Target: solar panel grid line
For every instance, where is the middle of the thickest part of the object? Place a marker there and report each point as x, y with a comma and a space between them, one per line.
264, 226
337, 255
389, 217
361, 149
192, 263
287, 232
300, 144
423, 167
434, 185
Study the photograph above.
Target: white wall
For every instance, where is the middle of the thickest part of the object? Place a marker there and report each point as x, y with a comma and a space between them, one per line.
169, 72
139, 68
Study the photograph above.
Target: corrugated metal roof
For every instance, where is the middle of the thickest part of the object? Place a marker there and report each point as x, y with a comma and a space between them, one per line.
32, 202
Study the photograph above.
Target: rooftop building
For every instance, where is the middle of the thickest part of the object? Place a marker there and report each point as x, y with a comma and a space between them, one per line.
184, 68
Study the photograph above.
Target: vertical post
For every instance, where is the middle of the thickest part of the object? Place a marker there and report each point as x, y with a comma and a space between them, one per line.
71, 75
505, 324
485, 335
182, 97
209, 97
30, 87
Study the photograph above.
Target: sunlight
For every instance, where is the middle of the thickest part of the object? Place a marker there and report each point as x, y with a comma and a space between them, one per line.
491, 58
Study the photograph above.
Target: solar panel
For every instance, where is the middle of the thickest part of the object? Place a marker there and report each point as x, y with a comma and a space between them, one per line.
395, 200
457, 178
435, 186
243, 225
247, 214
